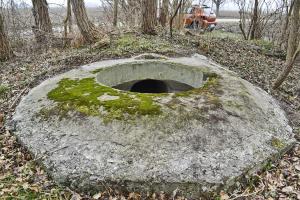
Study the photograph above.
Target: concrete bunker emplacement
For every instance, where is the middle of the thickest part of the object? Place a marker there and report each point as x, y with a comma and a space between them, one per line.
151, 125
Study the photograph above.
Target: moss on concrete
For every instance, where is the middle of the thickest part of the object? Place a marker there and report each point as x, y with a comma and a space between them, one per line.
234, 104
83, 96
208, 88
277, 143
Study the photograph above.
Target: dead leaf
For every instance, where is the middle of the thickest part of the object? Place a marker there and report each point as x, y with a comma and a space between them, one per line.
297, 167
287, 190
223, 196
25, 186
75, 196
97, 196
133, 195
34, 188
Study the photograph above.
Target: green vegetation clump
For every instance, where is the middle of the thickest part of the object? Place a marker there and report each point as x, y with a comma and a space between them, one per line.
209, 86
234, 104
264, 44
83, 97
209, 91
223, 34
3, 90
275, 142
130, 44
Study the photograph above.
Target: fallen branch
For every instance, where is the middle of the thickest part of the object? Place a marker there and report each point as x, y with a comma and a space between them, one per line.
16, 100
280, 79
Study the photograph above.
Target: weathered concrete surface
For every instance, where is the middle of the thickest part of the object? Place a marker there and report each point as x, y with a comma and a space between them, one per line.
200, 142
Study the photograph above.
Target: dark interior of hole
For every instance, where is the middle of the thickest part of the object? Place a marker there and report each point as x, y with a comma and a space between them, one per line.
150, 86
153, 86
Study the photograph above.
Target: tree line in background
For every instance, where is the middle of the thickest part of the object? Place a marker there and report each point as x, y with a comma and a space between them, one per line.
256, 18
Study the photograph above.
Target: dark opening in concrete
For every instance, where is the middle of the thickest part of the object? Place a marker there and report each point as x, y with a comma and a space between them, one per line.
150, 86
153, 86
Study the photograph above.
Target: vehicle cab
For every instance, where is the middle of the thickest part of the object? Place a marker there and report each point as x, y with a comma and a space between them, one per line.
200, 17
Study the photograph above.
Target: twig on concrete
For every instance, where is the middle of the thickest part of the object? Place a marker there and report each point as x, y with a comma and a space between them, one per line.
18, 97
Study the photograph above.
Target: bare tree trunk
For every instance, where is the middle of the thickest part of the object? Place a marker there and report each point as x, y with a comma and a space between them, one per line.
243, 19
115, 20
218, 9
293, 30
87, 29
68, 19
242, 22
172, 18
254, 21
180, 16
5, 50
218, 4
68, 23
164, 12
289, 66
285, 24
292, 51
43, 26
149, 13
134, 7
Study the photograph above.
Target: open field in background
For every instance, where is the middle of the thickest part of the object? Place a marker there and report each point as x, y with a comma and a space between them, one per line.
96, 14
21, 35
229, 14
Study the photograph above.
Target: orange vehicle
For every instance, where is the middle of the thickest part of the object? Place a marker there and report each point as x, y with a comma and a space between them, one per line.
200, 17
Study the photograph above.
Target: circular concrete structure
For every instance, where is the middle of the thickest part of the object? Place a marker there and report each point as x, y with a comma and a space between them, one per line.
151, 125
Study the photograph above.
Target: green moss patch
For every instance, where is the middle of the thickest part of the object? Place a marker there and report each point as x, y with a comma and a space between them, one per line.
3, 90
209, 87
277, 143
87, 97
83, 96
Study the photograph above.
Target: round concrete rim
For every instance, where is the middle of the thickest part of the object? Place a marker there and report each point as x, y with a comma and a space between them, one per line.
77, 166
127, 72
